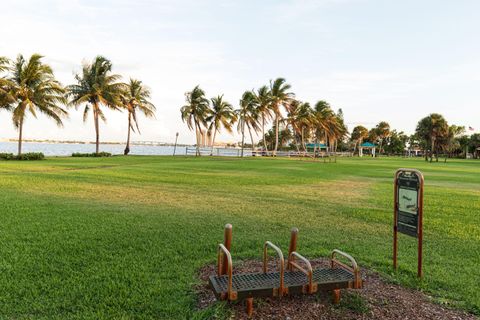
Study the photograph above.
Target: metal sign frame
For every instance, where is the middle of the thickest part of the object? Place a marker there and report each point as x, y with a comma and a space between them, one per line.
408, 221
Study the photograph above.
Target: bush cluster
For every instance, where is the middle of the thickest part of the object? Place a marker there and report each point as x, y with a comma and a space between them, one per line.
23, 156
95, 155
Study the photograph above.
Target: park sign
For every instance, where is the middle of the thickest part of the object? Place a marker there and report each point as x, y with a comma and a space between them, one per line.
408, 210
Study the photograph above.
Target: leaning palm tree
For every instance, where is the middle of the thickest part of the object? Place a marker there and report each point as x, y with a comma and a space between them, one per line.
196, 112
33, 89
96, 87
222, 114
136, 97
280, 97
263, 98
244, 114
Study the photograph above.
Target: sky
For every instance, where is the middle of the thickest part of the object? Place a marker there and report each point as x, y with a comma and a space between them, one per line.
378, 60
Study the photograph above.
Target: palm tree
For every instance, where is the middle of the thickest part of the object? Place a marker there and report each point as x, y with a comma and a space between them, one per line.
222, 114
382, 131
430, 129
32, 88
359, 134
96, 87
305, 119
196, 112
246, 115
263, 98
279, 97
136, 97
5, 85
324, 117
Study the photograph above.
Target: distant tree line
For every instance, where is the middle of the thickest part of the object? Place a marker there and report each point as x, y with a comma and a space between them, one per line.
29, 86
286, 123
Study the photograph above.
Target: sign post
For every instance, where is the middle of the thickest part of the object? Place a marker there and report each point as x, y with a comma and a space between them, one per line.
408, 210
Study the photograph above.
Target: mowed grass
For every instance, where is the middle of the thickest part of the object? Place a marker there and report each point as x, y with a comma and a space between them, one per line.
124, 237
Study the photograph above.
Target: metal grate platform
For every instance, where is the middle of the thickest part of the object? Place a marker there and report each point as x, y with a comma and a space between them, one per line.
263, 284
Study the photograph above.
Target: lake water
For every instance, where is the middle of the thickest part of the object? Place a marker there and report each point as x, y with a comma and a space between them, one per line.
66, 149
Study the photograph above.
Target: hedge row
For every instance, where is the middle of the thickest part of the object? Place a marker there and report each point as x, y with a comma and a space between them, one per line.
23, 156
94, 155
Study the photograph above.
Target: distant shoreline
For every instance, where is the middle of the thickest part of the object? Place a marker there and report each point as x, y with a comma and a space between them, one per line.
138, 143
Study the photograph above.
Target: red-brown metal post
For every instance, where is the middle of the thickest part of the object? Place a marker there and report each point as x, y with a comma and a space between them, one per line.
420, 228
395, 226
249, 306
292, 247
336, 296
227, 242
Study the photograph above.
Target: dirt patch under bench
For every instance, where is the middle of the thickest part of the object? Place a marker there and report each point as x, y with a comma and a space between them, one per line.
377, 299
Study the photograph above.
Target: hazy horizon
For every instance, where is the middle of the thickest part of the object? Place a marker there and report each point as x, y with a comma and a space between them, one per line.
377, 60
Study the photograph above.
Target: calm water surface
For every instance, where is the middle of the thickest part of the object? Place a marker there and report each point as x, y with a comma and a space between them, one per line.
66, 149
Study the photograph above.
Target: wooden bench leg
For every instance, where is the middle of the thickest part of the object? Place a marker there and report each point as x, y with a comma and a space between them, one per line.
336, 296
249, 306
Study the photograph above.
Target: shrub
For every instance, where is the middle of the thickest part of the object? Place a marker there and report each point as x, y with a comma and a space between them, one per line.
7, 156
94, 155
30, 156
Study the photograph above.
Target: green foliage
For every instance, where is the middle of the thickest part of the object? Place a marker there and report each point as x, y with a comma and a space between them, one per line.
23, 156
91, 155
353, 302
7, 156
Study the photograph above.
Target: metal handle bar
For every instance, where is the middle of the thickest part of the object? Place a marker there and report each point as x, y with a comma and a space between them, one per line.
282, 263
354, 268
312, 288
231, 295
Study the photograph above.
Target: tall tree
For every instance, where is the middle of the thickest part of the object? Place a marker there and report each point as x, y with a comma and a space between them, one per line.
222, 114
264, 98
280, 97
359, 134
382, 131
33, 89
196, 112
245, 114
96, 87
136, 98
430, 129
449, 142
326, 123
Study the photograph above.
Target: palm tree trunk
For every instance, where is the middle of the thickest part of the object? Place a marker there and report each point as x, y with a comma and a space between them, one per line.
433, 148
20, 137
276, 135
213, 139
303, 141
263, 133
251, 138
97, 130
127, 147
197, 132
243, 136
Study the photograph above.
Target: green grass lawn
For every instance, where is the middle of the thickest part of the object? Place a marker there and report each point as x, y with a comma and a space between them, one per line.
124, 237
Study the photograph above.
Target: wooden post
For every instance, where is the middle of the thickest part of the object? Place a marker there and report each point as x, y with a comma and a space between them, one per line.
227, 242
249, 306
292, 247
336, 296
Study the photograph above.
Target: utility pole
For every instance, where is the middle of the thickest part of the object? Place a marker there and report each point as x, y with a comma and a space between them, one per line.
175, 147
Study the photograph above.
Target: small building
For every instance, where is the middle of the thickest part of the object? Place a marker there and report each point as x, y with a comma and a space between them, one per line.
318, 146
368, 146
